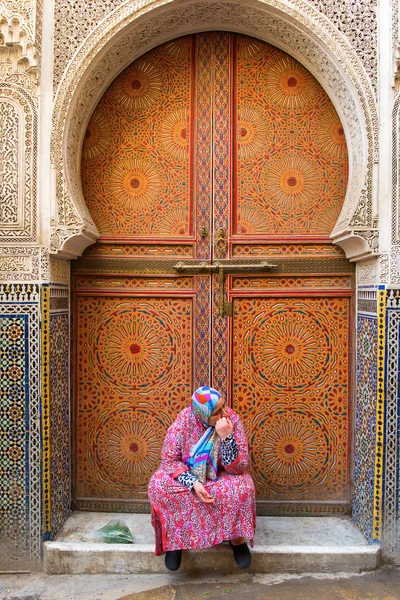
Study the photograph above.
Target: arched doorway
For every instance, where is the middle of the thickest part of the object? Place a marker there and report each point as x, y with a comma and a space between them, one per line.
215, 168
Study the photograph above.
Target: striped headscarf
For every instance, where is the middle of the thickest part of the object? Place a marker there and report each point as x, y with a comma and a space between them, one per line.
203, 455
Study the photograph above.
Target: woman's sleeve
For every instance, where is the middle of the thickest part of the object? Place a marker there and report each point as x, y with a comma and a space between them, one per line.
229, 450
171, 453
242, 462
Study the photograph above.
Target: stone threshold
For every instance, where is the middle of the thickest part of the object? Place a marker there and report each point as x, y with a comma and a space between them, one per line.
282, 545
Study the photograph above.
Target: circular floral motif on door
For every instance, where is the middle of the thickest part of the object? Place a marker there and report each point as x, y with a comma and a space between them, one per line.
291, 449
173, 222
253, 219
290, 348
249, 47
138, 87
329, 134
134, 348
174, 134
89, 397
98, 136
337, 400
252, 132
127, 446
289, 85
179, 49
293, 183
135, 183
244, 399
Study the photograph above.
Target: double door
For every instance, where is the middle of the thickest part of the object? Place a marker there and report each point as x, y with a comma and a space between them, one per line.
214, 167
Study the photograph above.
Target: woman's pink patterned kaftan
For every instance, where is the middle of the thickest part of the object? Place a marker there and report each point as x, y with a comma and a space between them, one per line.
180, 519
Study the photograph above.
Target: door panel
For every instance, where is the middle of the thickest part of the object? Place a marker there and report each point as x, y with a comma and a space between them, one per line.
213, 147
134, 375
290, 155
136, 159
290, 376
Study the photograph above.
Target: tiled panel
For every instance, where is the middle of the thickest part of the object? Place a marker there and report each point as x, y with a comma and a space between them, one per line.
20, 473
391, 530
60, 455
365, 424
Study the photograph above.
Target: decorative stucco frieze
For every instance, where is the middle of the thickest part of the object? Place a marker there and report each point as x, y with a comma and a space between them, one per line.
358, 22
367, 272
18, 52
384, 268
74, 21
59, 271
18, 165
394, 265
19, 263
132, 29
11, 167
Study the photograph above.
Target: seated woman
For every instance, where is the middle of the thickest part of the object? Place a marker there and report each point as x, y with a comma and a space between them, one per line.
202, 493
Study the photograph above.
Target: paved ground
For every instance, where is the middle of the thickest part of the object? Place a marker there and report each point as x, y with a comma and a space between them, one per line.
383, 584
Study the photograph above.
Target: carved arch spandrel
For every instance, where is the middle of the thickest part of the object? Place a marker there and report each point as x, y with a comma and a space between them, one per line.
134, 28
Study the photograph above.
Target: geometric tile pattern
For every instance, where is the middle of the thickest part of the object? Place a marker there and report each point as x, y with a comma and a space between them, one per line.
365, 424
290, 374
391, 509
60, 456
20, 457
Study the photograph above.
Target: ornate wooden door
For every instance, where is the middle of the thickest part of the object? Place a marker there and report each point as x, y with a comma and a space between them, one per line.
205, 159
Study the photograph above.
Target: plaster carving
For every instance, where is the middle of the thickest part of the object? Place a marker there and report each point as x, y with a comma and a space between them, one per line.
371, 236
15, 263
59, 271
395, 169
19, 263
358, 22
384, 268
75, 20
18, 141
44, 264
133, 28
23, 8
18, 54
11, 171
367, 272
394, 263
395, 40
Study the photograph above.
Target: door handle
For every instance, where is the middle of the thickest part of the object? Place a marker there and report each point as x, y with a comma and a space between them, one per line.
222, 267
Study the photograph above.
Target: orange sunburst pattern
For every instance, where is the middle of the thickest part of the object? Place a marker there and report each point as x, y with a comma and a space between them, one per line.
292, 356
291, 153
135, 157
98, 136
134, 373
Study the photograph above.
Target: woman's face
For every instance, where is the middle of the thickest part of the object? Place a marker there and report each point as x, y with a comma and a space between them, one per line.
218, 412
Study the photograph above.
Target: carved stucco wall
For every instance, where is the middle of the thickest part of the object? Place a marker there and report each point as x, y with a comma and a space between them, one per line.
18, 136
133, 28
22, 264
356, 20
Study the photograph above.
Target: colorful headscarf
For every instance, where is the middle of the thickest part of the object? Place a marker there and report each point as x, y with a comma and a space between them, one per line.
203, 455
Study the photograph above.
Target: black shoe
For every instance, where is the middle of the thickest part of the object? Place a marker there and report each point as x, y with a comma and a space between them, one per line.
241, 554
173, 560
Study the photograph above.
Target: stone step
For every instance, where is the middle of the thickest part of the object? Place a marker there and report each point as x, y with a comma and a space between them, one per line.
282, 545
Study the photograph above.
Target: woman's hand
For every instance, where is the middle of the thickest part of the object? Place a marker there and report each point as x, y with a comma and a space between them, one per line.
202, 493
224, 427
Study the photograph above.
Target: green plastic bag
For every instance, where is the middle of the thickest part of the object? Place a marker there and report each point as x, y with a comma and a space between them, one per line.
115, 532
